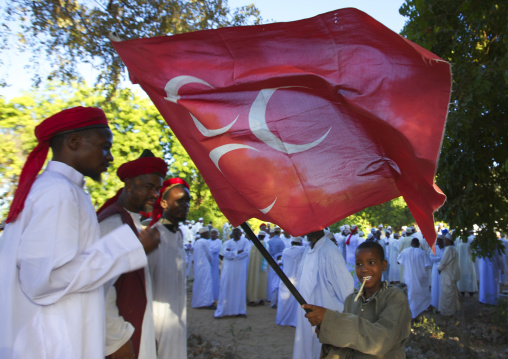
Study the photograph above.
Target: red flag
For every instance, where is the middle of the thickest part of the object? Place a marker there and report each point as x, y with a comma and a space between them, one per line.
302, 123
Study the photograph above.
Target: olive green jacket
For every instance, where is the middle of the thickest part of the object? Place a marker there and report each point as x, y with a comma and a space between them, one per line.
378, 328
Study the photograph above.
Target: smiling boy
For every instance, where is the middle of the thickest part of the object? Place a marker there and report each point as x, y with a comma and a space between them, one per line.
377, 325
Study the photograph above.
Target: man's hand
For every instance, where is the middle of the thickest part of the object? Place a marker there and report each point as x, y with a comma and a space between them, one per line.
126, 351
150, 239
240, 251
316, 316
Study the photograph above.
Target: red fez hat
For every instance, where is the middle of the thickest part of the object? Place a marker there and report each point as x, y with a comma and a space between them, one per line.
138, 167
71, 119
142, 166
166, 186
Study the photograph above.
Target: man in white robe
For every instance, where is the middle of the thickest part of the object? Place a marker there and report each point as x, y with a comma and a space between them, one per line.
468, 281
393, 250
405, 242
275, 248
416, 265
257, 274
435, 278
287, 307
168, 271
53, 264
130, 328
324, 279
202, 288
489, 269
352, 242
449, 271
233, 280
215, 247
340, 239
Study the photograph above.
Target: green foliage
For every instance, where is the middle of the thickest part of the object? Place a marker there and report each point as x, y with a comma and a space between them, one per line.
393, 213
473, 165
72, 32
136, 125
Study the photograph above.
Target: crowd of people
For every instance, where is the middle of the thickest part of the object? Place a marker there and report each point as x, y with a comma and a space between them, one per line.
84, 284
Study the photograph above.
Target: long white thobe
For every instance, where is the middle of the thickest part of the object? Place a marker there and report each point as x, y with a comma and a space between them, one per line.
324, 280
354, 242
118, 331
450, 274
504, 276
467, 281
202, 288
489, 279
169, 282
53, 267
233, 280
341, 240
416, 276
435, 278
215, 246
404, 242
287, 306
394, 270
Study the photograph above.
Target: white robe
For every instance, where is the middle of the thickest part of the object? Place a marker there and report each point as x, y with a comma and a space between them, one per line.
233, 280
167, 269
404, 242
287, 306
416, 276
215, 247
323, 280
341, 243
394, 270
489, 279
450, 274
53, 267
504, 276
118, 331
354, 242
468, 281
202, 288
435, 286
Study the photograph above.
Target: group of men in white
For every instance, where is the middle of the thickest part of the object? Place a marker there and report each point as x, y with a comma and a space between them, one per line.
84, 284
322, 265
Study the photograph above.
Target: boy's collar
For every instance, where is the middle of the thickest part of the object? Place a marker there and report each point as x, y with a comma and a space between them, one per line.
384, 285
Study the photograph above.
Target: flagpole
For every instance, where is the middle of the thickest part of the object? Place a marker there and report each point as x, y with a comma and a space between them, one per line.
273, 264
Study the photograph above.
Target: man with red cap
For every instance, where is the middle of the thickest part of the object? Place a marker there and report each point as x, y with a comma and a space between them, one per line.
130, 331
53, 265
168, 270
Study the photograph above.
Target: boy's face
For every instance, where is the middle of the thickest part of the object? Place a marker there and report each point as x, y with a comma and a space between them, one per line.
369, 263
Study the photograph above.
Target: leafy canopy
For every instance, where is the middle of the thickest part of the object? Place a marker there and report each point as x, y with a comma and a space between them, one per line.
70, 32
473, 167
136, 125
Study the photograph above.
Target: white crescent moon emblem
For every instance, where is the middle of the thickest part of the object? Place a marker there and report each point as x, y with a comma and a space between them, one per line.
258, 126
220, 151
175, 83
210, 133
267, 209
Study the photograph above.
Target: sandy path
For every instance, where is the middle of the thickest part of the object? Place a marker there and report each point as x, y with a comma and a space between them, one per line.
253, 337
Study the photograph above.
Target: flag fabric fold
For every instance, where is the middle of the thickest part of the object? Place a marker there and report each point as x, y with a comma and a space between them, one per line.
302, 123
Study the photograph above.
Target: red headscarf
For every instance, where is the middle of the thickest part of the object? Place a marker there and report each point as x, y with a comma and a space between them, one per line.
166, 186
66, 120
138, 167
354, 229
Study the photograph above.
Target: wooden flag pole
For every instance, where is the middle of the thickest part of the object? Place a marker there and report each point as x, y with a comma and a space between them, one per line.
248, 231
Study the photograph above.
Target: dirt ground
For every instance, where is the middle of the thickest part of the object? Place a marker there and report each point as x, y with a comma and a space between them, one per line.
477, 331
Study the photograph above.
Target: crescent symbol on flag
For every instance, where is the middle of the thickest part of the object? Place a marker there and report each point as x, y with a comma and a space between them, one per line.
220, 151
258, 126
172, 88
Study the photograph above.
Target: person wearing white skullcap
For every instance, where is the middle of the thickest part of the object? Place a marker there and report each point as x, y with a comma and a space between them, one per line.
202, 288
287, 307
